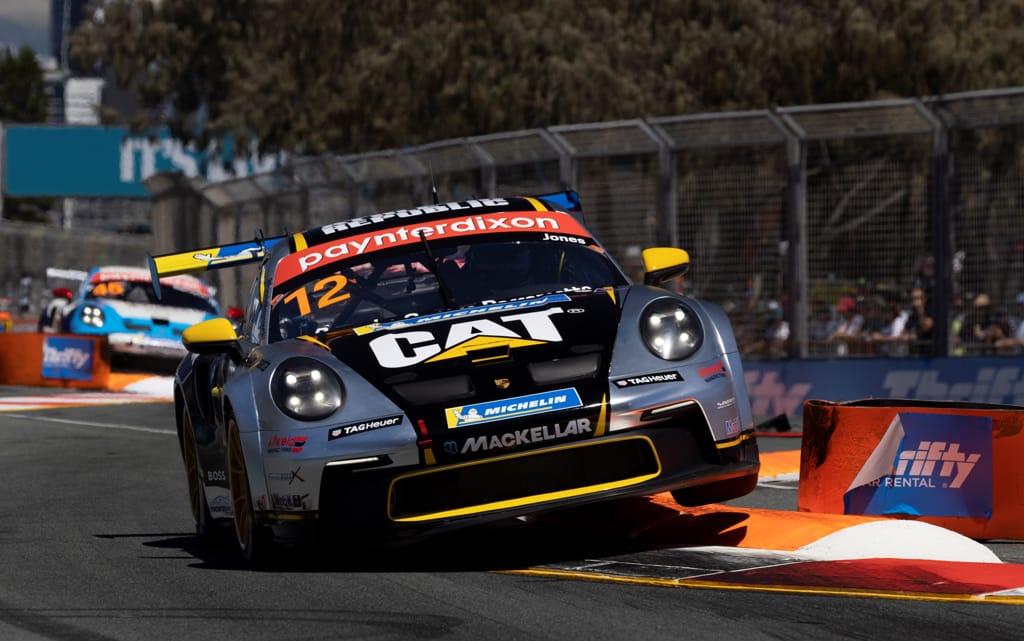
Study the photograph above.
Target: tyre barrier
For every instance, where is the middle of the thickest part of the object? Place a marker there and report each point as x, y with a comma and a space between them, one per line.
951, 464
54, 360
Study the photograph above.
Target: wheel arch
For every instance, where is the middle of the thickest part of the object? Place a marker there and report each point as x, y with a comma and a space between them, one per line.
252, 451
179, 412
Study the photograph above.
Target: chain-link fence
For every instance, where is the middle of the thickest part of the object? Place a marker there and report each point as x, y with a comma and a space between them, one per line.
803, 216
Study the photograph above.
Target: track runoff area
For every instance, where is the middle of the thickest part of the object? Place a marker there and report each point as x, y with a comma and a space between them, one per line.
721, 546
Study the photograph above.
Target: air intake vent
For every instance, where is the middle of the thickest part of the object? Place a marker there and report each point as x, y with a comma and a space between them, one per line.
485, 486
563, 370
435, 390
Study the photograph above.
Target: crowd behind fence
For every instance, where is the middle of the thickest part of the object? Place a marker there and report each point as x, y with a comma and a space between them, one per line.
904, 214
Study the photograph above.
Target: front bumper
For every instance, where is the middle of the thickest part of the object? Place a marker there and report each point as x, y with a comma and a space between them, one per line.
143, 345
639, 462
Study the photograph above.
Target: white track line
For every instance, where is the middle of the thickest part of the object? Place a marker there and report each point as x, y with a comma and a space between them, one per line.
107, 426
22, 403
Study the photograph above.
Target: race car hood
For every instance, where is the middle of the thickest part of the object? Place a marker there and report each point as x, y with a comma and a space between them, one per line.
154, 314
512, 375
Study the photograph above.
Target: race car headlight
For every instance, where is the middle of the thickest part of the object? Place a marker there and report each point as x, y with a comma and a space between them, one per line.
670, 330
306, 389
92, 316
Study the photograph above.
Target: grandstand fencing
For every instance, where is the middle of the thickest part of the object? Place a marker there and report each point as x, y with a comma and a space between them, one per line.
798, 206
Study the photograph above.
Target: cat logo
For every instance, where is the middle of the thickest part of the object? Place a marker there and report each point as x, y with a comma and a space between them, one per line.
480, 336
502, 383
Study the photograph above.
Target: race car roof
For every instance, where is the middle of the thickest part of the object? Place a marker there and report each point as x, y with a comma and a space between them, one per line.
318, 235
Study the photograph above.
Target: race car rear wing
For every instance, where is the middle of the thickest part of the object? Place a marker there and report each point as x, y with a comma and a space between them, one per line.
235, 254
567, 200
207, 258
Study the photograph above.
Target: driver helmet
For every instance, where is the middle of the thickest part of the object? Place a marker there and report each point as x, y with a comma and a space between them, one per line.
500, 265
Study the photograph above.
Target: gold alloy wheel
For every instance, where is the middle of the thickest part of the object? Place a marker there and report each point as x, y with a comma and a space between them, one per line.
241, 504
188, 452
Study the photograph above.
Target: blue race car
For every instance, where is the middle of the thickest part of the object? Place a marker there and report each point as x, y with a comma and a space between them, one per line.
119, 302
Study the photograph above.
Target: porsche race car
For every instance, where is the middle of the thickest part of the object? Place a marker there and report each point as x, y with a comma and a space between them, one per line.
120, 302
418, 370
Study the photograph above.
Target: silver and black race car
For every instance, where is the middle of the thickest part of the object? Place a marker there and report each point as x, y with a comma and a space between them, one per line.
421, 369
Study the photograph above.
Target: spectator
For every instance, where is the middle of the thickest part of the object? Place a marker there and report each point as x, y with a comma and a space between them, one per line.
848, 335
959, 323
774, 337
53, 314
918, 330
1014, 343
820, 325
888, 333
984, 326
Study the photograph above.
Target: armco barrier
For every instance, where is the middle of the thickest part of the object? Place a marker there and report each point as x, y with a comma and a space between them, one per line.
54, 360
924, 479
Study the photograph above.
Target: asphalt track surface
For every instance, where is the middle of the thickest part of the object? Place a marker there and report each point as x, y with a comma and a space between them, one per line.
96, 543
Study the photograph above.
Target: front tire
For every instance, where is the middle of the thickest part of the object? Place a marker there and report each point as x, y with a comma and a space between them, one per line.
253, 540
194, 476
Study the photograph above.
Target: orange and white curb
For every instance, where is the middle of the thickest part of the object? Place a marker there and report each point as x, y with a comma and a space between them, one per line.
125, 389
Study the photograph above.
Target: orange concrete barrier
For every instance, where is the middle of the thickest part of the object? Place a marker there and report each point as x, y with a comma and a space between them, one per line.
839, 438
22, 360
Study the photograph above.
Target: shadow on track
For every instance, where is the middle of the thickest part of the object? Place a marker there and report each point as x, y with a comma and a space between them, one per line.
593, 532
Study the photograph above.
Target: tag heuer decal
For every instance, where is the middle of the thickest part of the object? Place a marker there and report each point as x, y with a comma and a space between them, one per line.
355, 428
647, 379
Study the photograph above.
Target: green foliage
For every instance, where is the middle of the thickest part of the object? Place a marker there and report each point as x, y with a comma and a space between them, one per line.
23, 100
22, 90
350, 76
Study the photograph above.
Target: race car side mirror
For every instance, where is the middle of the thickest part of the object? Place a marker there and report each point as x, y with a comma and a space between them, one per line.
664, 263
214, 336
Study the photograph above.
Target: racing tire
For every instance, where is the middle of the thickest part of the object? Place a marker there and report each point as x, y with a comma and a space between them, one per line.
205, 527
254, 541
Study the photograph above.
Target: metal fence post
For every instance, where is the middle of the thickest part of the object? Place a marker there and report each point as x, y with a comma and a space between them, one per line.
796, 240
942, 236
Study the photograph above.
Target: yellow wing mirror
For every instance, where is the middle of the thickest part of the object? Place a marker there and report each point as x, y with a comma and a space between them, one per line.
664, 263
214, 336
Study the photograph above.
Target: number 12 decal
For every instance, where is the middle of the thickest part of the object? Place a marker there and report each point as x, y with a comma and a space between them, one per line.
335, 286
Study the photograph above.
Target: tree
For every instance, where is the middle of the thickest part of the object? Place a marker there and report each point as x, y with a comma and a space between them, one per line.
22, 89
23, 100
349, 76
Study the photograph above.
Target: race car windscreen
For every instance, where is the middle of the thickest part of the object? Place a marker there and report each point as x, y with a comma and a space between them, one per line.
142, 292
408, 282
